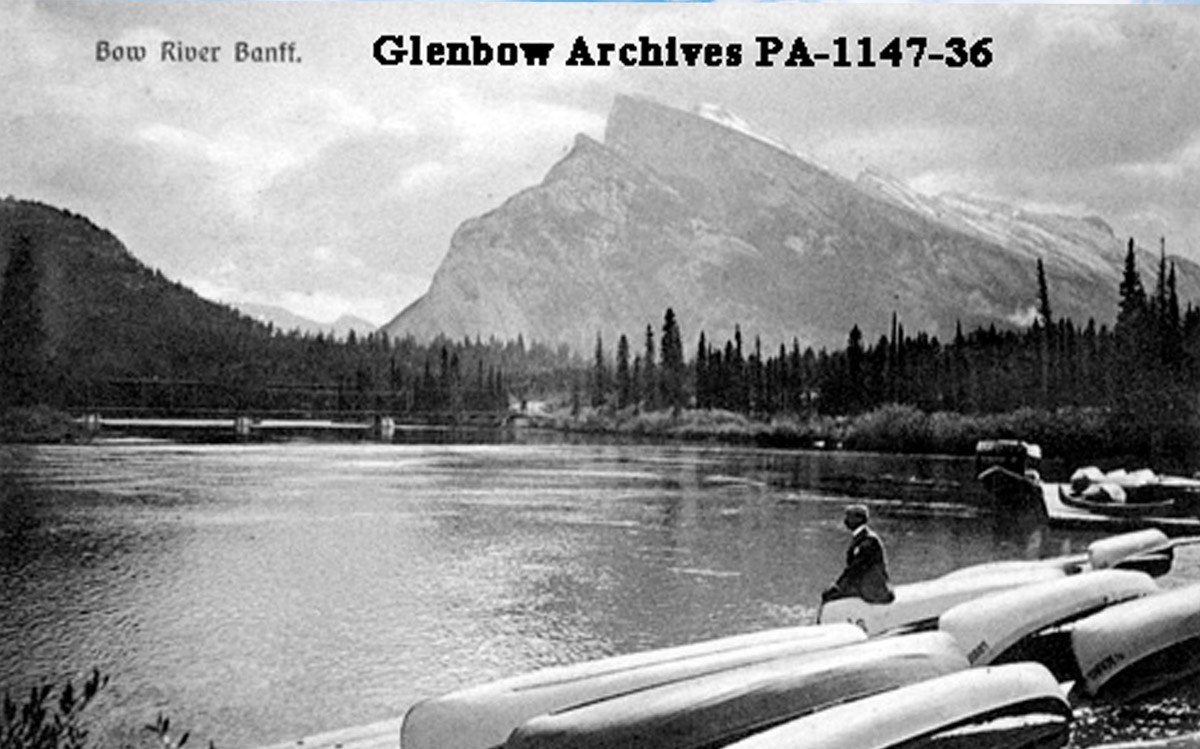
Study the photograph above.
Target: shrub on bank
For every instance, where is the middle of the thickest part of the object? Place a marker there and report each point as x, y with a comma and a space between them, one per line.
38, 424
50, 719
1069, 433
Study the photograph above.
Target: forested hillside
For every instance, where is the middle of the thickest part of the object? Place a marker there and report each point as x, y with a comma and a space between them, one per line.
85, 324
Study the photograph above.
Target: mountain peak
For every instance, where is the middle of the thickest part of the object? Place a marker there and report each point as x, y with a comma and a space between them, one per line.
725, 118
639, 126
700, 212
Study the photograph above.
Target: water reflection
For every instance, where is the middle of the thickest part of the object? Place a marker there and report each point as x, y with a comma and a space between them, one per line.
263, 592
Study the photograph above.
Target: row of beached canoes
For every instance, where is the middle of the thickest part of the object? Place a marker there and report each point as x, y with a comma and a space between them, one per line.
964, 659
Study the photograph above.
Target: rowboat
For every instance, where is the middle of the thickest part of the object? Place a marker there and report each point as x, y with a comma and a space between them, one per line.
1137, 647
716, 710
1011, 706
996, 627
1108, 518
483, 716
1103, 503
1142, 489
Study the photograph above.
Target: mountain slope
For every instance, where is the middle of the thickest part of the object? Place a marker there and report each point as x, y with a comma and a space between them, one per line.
729, 227
100, 313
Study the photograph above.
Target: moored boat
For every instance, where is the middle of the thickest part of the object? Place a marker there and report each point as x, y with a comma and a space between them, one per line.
1063, 515
1111, 502
483, 716
722, 708
1008, 469
996, 627
1137, 647
1014, 706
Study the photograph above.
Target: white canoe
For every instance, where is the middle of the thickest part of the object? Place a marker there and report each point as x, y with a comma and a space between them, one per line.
722, 708
1124, 549
988, 628
1137, 647
483, 716
918, 605
1014, 702
1110, 552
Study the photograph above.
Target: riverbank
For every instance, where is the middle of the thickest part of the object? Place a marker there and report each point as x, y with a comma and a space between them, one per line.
38, 425
1069, 433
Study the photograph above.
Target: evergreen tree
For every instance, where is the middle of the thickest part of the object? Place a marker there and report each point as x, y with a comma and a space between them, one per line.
1045, 333
650, 372
624, 378
1044, 314
672, 374
23, 366
1133, 295
855, 375
600, 378
703, 396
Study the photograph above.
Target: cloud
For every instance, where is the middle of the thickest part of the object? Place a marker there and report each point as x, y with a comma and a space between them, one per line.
257, 180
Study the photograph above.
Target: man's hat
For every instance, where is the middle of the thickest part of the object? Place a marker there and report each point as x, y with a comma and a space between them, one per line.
858, 510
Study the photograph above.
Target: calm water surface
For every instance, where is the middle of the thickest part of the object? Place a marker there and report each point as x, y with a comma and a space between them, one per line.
259, 593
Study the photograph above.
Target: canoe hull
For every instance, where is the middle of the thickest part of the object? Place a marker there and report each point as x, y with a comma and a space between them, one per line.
919, 605
717, 710
916, 714
1138, 647
989, 627
483, 716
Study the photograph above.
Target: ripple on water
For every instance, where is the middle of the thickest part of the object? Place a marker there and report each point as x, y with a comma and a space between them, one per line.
258, 593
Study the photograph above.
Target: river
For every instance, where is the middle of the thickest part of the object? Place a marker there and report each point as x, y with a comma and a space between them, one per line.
257, 593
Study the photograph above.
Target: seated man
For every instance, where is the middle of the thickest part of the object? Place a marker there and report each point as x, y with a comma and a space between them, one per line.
866, 574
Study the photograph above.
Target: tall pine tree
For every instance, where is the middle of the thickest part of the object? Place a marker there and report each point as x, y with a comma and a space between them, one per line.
23, 366
673, 372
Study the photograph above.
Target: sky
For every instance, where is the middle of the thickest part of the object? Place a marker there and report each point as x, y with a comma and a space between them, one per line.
333, 185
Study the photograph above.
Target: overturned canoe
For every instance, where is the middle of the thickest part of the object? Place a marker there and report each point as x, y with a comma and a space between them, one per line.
990, 627
1137, 647
1140, 550
918, 605
483, 716
718, 709
1128, 549
1011, 706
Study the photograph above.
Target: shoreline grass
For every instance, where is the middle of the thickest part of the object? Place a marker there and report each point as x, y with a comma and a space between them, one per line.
1068, 433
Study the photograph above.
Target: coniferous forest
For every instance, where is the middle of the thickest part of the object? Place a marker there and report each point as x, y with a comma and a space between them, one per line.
1137, 382
138, 343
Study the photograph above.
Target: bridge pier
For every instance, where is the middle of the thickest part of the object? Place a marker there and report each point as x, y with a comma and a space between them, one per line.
91, 424
241, 427
384, 428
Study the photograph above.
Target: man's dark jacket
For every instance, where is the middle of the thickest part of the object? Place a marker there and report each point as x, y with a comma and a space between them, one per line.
866, 573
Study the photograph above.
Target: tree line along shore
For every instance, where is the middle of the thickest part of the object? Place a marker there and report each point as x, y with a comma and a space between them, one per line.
1130, 389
